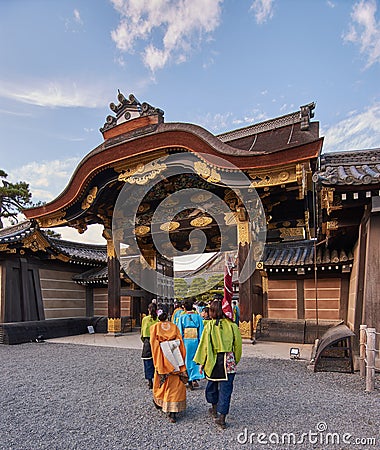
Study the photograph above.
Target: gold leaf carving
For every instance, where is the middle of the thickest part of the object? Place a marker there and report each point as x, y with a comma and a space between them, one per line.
142, 173
36, 242
230, 218
88, 201
5, 248
245, 329
206, 172
244, 236
201, 197
52, 220
273, 176
169, 226
142, 230
332, 225
201, 221
291, 233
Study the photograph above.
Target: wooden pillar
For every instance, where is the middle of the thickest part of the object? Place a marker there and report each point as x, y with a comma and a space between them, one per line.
246, 286
358, 315
265, 285
113, 266
257, 282
371, 297
344, 293
26, 306
300, 299
89, 301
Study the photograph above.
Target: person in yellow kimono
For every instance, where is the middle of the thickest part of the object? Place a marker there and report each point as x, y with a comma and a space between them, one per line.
218, 353
178, 310
170, 377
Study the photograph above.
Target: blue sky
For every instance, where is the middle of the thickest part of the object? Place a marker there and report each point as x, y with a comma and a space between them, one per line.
219, 64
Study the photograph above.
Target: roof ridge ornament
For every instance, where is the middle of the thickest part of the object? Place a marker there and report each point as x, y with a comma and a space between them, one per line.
306, 113
128, 109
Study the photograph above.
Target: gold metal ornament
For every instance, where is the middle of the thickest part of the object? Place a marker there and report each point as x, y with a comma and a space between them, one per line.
88, 201
201, 197
202, 221
142, 230
169, 226
206, 172
114, 325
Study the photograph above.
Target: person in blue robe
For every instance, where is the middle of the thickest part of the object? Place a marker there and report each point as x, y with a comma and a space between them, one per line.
190, 324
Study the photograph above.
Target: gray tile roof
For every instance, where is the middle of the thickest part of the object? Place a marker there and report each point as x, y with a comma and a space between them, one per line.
360, 167
16, 233
299, 254
76, 251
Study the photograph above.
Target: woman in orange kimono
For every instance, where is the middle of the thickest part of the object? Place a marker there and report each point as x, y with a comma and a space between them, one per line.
170, 376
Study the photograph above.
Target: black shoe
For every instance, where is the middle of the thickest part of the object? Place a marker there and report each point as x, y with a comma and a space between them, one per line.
190, 385
172, 417
212, 411
221, 421
157, 406
150, 384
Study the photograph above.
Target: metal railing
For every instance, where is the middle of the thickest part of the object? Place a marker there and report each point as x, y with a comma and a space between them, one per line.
367, 354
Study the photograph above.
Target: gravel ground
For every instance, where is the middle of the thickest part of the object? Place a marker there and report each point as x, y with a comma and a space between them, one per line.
62, 396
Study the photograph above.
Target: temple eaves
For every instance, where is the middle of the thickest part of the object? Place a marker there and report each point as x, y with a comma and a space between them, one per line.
303, 117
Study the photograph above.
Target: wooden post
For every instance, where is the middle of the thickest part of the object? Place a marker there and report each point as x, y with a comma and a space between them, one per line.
370, 373
362, 349
371, 309
246, 287
113, 265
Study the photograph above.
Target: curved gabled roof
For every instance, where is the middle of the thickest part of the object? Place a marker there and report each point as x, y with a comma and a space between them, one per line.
137, 132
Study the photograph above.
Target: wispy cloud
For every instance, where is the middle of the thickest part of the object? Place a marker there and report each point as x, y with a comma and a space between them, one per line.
220, 123
364, 30
358, 131
52, 94
77, 17
47, 178
74, 23
7, 112
263, 10
180, 23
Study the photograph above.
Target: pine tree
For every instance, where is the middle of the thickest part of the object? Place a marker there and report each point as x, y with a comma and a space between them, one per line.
14, 197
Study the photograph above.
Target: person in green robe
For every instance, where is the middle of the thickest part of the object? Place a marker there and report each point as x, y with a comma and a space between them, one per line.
218, 353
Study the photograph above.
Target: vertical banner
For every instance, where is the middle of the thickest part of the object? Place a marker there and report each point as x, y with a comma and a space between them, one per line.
228, 290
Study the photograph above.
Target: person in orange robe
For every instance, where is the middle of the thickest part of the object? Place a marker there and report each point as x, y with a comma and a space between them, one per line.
170, 376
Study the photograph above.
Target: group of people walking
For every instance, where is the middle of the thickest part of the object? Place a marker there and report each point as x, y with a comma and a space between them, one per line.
180, 352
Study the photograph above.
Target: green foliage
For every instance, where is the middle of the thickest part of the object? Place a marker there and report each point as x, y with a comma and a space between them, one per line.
180, 288
53, 234
215, 281
198, 285
14, 197
203, 290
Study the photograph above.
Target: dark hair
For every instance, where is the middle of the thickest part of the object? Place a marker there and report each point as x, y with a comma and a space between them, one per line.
206, 310
163, 316
152, 308
188, 306
216, 311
